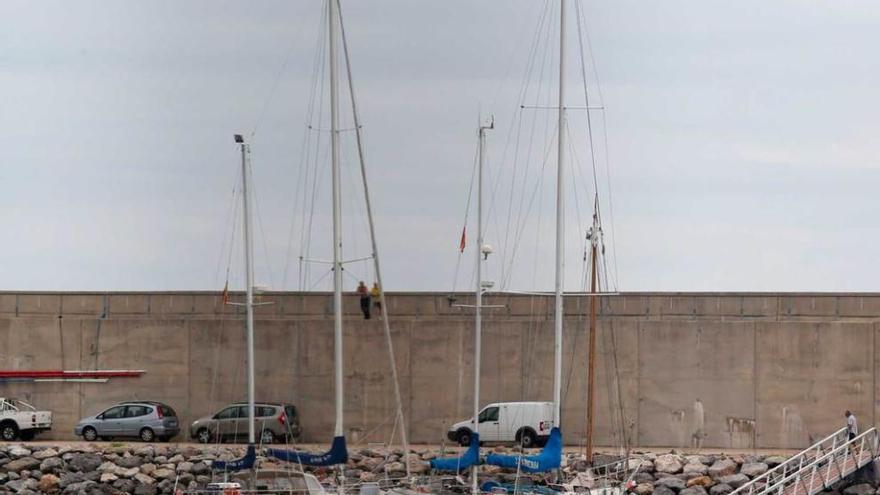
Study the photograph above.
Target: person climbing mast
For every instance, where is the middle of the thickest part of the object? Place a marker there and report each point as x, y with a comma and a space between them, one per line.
365, 299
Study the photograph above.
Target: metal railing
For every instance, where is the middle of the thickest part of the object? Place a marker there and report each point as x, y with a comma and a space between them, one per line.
793, 464
818, 467
611, 478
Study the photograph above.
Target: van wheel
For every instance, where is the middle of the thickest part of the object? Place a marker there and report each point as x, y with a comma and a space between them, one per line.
464, 437
527, 438
8, 431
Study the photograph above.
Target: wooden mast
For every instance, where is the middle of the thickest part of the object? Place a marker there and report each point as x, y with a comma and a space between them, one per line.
591, 364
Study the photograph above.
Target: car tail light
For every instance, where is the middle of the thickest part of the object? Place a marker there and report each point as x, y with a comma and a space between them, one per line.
159, 412
282, 418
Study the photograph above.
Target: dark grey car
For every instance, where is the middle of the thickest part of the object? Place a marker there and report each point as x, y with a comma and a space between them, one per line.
275, 422
146, 420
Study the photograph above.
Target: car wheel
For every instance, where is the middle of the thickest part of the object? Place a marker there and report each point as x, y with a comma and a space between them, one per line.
90, 434
527, 439
267, 437
147, 435
203, 435
9, 432
464, 438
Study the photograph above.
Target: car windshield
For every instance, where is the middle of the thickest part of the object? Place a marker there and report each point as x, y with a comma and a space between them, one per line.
228, 413
167, 411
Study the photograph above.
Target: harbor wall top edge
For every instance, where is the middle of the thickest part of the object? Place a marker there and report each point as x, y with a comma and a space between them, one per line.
311, 305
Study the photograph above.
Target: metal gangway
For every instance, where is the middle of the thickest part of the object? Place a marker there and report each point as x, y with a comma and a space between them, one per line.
818, 467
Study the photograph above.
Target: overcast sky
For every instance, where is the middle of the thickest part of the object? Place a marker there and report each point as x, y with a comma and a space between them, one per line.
742, 139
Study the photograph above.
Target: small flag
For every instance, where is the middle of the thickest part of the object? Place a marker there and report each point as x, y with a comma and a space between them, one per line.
226, 293
463, 237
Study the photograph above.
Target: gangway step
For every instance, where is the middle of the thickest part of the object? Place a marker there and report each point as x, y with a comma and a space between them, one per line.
817, 467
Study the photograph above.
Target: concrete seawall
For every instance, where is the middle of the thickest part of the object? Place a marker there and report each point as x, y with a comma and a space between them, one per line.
732, 370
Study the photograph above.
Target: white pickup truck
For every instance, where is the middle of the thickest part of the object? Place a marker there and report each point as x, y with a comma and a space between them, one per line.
21, 421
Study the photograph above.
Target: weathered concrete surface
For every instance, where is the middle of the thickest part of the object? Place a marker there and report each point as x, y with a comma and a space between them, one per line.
737, 370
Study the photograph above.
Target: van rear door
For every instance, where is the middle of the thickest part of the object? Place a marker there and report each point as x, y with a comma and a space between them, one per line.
544, 418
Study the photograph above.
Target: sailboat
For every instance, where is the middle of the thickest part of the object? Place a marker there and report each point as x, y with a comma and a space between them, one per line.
337, 455
243, 468
549, 459
471, 458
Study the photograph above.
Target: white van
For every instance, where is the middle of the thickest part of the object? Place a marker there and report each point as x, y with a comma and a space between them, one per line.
525, 423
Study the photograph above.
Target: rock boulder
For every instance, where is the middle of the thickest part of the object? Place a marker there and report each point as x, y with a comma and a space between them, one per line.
720, 489
703, 481
671, 482
695, 468
860, 489
693, 490
722, 467
753, 469
734, 480
667, 463
49, 483
21, 464
644, 489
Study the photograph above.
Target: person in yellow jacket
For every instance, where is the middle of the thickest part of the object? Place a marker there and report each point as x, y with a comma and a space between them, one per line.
374, 294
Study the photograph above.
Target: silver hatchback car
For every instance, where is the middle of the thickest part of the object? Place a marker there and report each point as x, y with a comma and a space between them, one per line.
275, 422
146, 420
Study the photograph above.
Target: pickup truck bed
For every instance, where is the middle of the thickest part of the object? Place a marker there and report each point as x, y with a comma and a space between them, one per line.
21, 421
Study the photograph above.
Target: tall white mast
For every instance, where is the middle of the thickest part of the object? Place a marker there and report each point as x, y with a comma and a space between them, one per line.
337, 213
478, 298
376, 265
249, 280
560, 223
